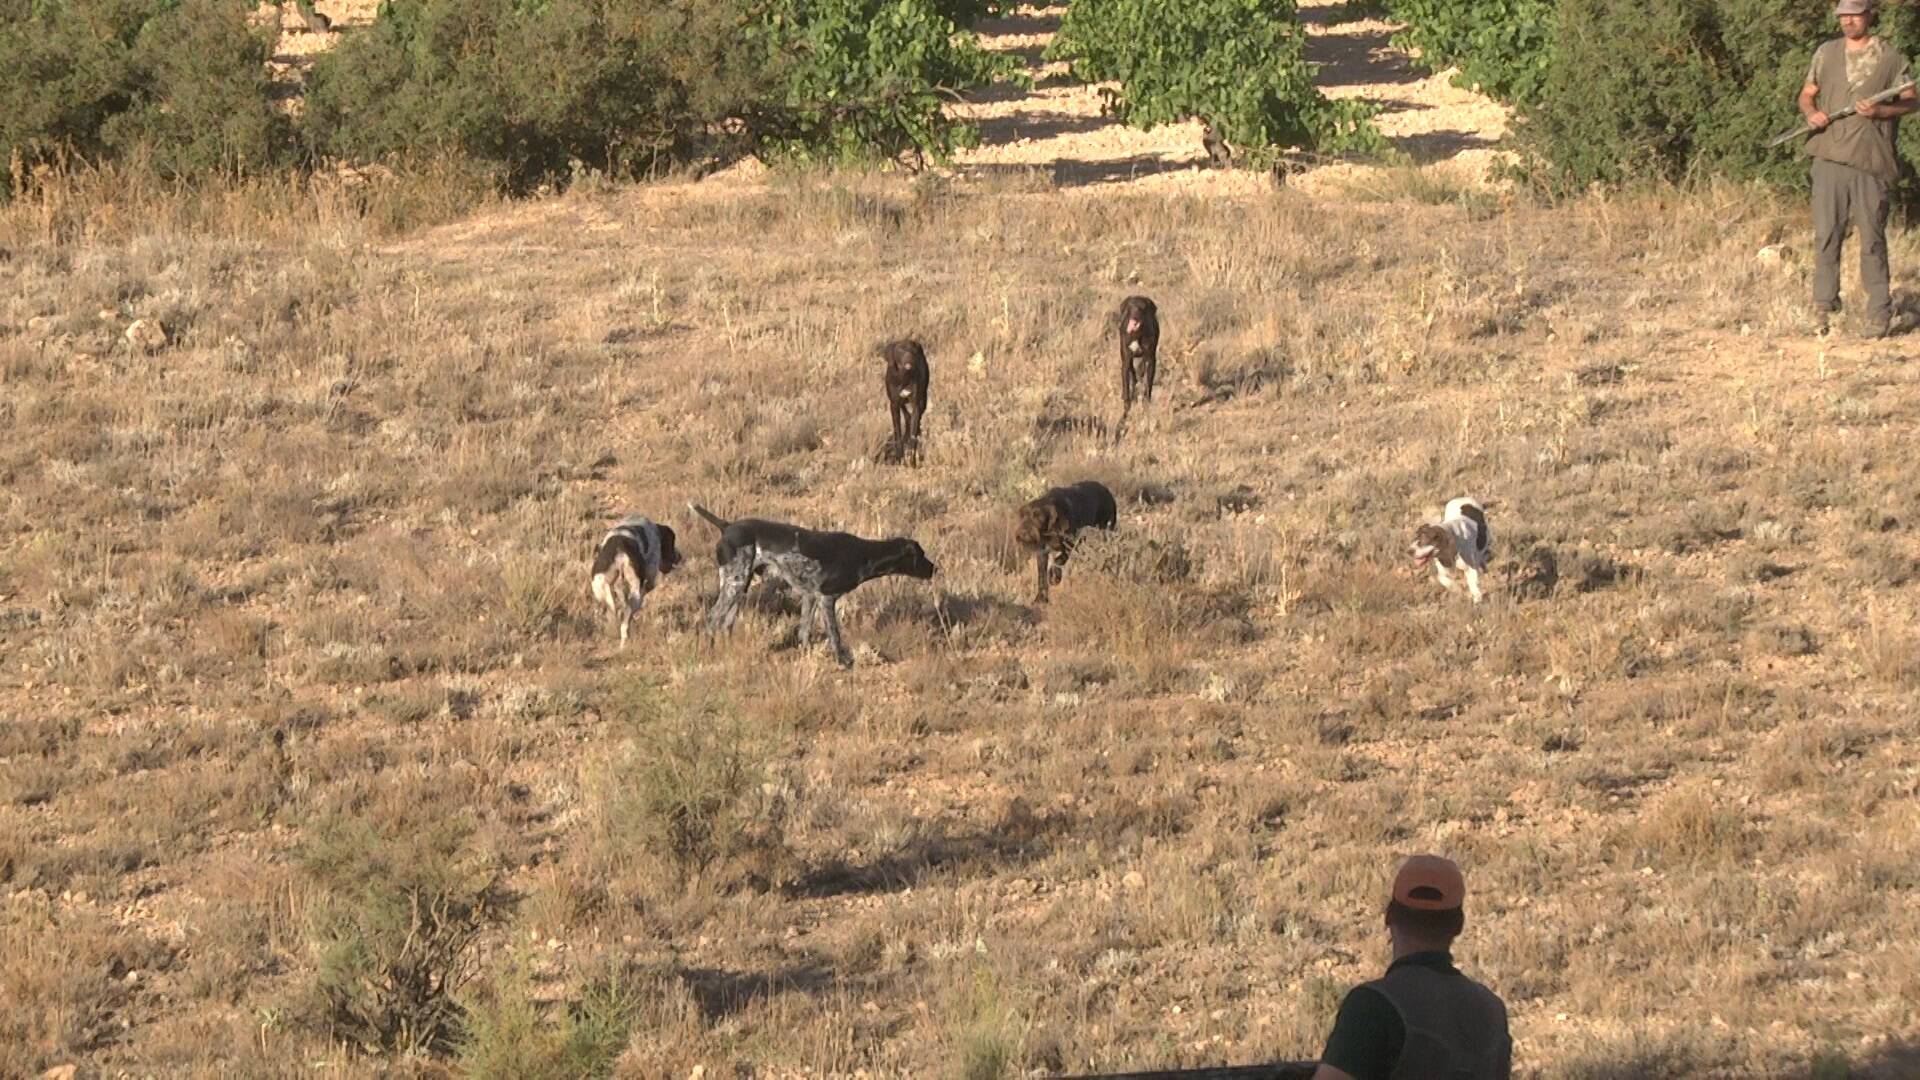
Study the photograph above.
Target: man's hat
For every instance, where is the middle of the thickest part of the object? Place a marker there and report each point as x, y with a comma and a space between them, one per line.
1429, 883
1853, 7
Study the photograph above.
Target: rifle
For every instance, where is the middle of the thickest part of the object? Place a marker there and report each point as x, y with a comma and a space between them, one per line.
1884, 95
1280, 1070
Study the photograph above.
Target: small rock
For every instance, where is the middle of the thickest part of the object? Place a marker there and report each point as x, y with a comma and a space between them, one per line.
61, 1072
1774, 255
1134, 880
147, 336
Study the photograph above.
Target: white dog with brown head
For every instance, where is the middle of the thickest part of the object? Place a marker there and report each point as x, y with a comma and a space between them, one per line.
1461, 542
628, 565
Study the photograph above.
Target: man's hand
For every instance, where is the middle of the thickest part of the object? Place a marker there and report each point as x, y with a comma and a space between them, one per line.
1818, 120
1867, 109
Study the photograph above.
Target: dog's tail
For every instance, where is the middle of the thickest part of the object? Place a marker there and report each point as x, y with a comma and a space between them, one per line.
714, 519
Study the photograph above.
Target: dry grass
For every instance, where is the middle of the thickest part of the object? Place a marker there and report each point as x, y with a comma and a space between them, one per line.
324, 559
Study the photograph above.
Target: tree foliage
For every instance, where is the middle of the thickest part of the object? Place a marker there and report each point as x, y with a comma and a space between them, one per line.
1678, 88
1502, 47
1236, 65
184, 81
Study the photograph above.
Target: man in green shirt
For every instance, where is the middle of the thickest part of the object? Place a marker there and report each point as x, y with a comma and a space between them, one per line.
1423, 1020
1853, 158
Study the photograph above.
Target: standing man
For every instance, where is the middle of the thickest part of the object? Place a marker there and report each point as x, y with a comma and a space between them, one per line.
1423, 1020
1853, 159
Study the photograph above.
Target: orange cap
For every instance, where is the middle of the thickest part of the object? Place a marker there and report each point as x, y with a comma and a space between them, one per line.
1430, 883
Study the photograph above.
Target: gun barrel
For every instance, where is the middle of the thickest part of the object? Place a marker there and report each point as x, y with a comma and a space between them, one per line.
1884, 95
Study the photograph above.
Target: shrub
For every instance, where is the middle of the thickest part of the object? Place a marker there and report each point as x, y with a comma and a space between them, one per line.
694, 791
624, 87
1236, 65
869, 77
631, 87
400, 911
1503, 47
1652, 88
506, 1034
182, 82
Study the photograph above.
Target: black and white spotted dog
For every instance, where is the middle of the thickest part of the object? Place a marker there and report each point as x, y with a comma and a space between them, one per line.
628, 566
1461, 541
820, 567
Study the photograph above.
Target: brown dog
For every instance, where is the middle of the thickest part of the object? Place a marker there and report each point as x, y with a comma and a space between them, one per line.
1139, 348
1048, 524
906, 379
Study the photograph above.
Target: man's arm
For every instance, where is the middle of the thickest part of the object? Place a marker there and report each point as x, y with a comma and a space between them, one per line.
1368, 1035
1815, 118
1887, 110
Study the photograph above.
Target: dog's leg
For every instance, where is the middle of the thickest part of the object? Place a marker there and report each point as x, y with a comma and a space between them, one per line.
1153, 366
603, 596
840, 651
1473, 584
809, 612
1040, 563
1446, 579
1126, 380
734, 579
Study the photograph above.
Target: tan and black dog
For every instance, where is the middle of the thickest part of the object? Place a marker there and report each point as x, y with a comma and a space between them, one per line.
1048, 524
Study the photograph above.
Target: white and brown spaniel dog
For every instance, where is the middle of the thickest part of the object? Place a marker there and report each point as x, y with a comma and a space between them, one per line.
628, 566
1461, 541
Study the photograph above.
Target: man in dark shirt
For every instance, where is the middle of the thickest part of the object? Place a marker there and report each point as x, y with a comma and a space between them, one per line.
1853, 158
1423, 1020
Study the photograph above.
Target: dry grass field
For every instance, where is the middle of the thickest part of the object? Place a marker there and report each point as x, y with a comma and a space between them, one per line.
310, 737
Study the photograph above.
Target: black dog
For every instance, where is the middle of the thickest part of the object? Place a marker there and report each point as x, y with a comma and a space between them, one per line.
1139, 348
906, 381
1048, 524
820, 566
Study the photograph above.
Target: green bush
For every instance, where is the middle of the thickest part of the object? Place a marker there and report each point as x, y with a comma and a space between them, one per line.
1503, 47
399, 913
507, 1035
693, 792
1236, 65
631, 87
528, 88
183, 83
1681, 88
860, 78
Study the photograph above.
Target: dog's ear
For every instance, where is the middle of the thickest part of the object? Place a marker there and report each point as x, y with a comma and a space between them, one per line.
669, 555
1058, 524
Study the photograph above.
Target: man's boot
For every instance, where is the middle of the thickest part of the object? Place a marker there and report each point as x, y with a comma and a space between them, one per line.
1876, 326
1819, 314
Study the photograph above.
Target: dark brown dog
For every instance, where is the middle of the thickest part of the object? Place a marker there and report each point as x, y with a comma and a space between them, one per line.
1048, 524
1139, 348
906, 380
